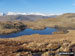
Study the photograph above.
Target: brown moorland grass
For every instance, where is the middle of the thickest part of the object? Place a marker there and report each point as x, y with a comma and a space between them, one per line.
38, 43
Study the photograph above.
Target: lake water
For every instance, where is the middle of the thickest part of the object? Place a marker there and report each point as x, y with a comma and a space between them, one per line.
46, 31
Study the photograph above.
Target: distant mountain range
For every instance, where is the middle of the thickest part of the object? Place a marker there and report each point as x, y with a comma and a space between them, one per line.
24, 16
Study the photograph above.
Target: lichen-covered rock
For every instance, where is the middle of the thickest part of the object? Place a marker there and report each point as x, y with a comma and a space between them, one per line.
64, 47
25, 54
45, 54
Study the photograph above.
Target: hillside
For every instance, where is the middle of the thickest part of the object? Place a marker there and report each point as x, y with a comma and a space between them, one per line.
65, 21
23, 16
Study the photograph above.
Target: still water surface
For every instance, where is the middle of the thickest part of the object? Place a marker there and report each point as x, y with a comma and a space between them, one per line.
46, 31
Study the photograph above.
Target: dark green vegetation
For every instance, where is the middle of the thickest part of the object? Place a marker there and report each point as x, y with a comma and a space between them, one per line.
11, 27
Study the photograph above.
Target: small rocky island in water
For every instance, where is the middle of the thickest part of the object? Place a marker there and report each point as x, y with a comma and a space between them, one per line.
55, 44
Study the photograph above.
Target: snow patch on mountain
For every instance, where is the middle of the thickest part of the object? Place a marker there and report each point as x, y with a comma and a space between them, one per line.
1, 14
19, 13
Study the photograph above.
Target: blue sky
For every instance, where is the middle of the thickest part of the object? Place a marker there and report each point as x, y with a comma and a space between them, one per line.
42, 6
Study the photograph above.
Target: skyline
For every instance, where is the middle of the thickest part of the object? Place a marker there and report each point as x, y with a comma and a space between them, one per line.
38, 6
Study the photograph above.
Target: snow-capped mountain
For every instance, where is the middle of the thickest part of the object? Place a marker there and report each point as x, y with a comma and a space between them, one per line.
19, 13
15, 13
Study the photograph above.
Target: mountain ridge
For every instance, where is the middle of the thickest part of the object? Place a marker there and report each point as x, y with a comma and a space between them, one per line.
24, 16
23, 13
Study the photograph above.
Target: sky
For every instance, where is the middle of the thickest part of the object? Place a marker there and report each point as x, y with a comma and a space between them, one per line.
41, 6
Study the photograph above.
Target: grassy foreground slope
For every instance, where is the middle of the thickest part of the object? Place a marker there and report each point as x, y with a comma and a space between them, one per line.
36, 44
